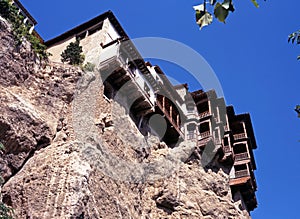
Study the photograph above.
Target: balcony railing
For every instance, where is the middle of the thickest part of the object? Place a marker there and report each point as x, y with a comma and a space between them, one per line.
239, 136
241, 173
241, 156
205, 134
169, 112
204, 114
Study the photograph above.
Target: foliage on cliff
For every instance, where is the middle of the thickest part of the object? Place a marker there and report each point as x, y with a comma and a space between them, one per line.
6, 212
21, 30
73, 54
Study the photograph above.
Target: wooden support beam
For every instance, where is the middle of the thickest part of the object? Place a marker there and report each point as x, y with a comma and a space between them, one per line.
245, 130
164, 103
171, 112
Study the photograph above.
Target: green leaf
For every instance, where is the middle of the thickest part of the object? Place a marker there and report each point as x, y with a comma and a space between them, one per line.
203, 18
255, 3
220, 12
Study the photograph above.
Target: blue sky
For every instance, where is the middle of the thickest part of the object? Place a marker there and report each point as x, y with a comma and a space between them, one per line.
250, 55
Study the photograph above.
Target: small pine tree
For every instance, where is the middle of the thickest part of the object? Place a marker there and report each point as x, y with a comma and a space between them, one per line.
72, 54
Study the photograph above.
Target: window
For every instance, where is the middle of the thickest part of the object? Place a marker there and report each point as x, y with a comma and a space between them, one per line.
204, 127
239, 148
226, 143
191, 131
190, 107
203, 107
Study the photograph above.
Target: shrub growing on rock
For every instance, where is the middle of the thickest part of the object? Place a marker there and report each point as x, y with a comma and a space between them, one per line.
73, 54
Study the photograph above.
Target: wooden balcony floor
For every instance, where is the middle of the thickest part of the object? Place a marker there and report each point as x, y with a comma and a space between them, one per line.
239, 181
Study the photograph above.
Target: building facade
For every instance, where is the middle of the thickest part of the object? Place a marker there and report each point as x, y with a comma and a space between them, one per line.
144, 90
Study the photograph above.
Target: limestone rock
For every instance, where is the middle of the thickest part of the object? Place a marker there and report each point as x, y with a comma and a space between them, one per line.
58, 163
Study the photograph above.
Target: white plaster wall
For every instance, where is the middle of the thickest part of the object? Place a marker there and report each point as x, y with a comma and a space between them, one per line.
154, 73
111, 33
182, 92
90, 45
232, 173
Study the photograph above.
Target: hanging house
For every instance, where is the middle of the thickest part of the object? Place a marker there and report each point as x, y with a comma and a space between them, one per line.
145, 90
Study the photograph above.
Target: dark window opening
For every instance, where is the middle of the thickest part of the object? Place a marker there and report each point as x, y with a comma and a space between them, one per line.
191, 127
240, 167
238, 128
204, 127
203, 107
239, 148
226, 142
108, 90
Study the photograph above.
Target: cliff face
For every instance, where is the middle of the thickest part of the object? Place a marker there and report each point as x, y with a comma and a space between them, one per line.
72, 154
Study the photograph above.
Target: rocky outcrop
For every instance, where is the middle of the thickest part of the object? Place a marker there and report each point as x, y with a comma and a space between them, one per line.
33, 102
72, 154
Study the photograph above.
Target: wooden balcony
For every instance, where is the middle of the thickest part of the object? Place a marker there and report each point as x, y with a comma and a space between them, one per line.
205, 134
239, 136
241, 156
204, 114
171, 114
242, 173
239, 181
